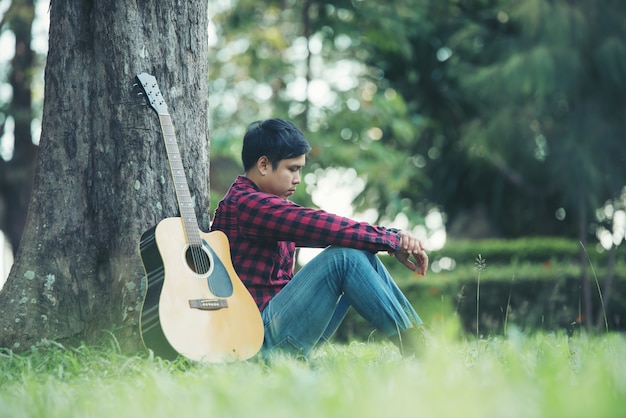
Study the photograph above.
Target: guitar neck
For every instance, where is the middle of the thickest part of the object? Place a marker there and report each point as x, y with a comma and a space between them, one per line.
185, 203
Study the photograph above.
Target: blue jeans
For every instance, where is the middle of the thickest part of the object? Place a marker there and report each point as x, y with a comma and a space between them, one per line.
310, 308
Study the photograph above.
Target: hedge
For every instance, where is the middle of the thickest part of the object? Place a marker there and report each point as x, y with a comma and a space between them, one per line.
532, 284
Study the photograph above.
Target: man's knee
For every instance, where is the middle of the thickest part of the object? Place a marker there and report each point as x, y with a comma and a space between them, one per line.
351, 253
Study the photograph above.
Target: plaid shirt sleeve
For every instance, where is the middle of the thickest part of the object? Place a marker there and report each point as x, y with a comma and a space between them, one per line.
268, 217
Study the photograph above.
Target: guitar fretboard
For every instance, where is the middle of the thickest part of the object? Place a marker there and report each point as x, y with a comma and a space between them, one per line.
185, 203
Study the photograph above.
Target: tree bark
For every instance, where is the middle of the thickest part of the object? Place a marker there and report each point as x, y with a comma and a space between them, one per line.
102, 177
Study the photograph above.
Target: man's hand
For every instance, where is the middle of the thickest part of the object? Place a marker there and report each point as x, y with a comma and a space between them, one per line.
411, 246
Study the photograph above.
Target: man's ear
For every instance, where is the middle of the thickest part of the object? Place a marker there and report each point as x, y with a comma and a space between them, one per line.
263, 164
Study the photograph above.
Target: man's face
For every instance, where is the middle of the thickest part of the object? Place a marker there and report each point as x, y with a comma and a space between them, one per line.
283, 180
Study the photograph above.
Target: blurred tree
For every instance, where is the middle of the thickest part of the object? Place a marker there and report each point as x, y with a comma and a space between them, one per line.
502, 110
547, 80
300, 60
17, 169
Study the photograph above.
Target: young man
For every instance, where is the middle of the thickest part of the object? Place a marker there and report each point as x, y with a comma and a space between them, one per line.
264, 228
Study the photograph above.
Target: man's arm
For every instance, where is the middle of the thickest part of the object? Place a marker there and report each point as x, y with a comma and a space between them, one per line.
265, 217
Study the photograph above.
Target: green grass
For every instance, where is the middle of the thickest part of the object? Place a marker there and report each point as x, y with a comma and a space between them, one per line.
542, 375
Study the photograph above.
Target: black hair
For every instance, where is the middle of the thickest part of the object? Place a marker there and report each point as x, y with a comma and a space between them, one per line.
276, 139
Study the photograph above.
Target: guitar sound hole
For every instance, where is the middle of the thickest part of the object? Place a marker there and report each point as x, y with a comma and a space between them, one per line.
197, 259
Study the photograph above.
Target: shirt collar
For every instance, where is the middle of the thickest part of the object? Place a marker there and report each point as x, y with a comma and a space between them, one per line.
245, 182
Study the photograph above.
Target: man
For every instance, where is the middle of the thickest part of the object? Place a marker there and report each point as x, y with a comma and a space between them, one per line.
264, 227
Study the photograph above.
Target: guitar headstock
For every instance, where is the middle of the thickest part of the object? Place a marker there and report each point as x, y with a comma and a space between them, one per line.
147, 85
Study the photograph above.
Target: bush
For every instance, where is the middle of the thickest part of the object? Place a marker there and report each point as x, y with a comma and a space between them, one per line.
533, 284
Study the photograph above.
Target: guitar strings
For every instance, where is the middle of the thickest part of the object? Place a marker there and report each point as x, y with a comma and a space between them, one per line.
200, 259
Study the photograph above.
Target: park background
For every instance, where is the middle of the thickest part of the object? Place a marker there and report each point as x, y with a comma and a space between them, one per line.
492, 129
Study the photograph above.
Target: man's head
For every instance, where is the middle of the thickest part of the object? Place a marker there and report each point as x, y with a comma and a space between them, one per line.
276, 139
274, 152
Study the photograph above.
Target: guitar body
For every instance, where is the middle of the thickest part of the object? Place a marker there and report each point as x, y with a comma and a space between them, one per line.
205, 314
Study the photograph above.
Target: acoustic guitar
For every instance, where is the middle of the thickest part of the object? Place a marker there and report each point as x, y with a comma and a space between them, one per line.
195, 305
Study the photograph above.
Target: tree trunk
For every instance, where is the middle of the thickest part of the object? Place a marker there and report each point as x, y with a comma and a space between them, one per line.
102, 177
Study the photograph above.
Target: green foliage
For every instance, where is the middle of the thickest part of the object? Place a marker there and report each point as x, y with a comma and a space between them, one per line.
514, 107
521, 376
543, 120
356, 116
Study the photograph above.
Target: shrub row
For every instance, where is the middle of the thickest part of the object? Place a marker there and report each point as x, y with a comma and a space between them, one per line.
536, 249
532, 284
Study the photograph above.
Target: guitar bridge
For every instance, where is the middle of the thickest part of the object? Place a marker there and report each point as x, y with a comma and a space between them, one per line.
208, 304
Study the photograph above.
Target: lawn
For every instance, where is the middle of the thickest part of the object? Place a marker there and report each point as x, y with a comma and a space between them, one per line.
541, 375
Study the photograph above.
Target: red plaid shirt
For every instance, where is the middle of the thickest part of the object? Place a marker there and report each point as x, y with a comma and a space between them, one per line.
264, 230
